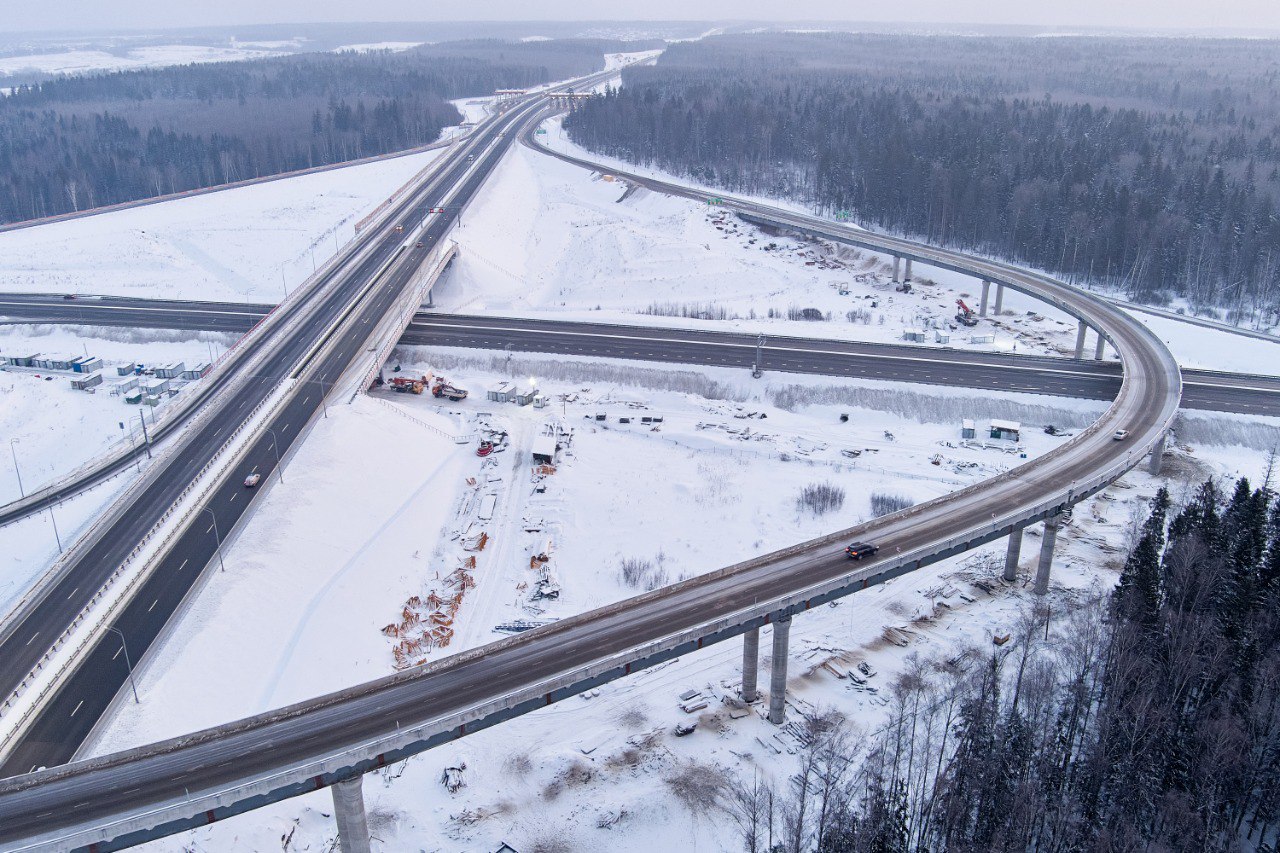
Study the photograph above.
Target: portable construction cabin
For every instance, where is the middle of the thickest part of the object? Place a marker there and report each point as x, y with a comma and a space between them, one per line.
84, 383
197, 372
126, 370
525, 397
120, 386
52, 362
941, 336
170, 371
541, 401
503, 392
544, 449
133, 398
21, 360
1009, 430
87, 364
968, 429
917, 336
982, 339
156, 387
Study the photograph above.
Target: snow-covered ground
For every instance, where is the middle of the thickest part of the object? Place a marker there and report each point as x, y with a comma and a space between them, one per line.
1213, 349
547, 238
245, 244
863, 274
312, 591
86, 61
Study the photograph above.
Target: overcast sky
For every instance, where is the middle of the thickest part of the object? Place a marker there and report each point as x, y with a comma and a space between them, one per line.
135, 14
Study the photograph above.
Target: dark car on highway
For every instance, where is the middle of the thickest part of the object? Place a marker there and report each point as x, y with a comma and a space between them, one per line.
858, 550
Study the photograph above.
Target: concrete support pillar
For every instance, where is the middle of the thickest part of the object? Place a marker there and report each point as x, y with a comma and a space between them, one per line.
750, 664
999, 297
1046, 553
1156, 461
1080, 333
908, 275
1100, 350
897, 261
778, 678
1011, 556
348, 812
982, 306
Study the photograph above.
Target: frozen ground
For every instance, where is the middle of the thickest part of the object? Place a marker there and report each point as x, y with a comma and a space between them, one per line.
52, 429
315, 597
58, 428
246, 244
86, 61
548, 238
736, 281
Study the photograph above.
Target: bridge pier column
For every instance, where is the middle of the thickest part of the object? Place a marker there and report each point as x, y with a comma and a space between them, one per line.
1100, 350
897, 261
750, 664
1081, 330
778, 677
1051, 525
1011, 556
999, 297
348, 812
907, 277
1156, 462
986, 290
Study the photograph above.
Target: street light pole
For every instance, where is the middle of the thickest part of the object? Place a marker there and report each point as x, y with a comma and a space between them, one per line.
127, 663
14, 451
276, 448
56, 537
217, 538
146, 440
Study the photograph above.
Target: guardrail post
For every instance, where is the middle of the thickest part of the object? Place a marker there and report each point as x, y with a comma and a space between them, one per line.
1156, 461
896, 262
999, 297
1011, 556
986, 290
750, 664
1080, 333
1101, 349
778, 677
1051, 525
348, 813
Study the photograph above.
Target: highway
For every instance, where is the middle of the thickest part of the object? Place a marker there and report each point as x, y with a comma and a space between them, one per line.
65, 721
1088, 379
163, 788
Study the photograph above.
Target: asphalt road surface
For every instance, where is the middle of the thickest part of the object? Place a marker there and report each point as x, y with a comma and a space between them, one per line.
72, 712
92, 793
1202, 389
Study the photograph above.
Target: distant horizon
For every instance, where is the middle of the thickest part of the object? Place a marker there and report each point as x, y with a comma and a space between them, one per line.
1269, 30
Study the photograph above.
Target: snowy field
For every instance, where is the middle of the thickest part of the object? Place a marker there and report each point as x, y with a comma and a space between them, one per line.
314, 598
550, 239
246, 244
796, 274
86, 61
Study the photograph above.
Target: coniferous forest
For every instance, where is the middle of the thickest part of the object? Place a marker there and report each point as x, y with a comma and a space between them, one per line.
1148, 164
1146, 718
72, 143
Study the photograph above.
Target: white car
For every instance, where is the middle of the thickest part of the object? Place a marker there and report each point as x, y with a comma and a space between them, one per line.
1121, 434
252, 480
